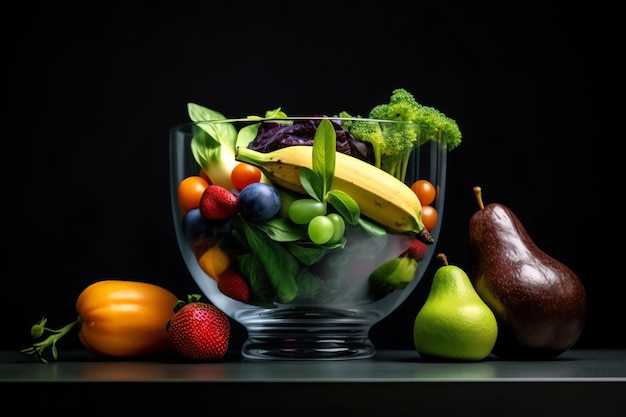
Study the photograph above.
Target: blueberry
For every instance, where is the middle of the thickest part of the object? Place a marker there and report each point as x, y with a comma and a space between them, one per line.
259, 202
194, 224
220, 227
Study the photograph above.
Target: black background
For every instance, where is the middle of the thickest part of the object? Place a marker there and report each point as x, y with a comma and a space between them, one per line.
91, 93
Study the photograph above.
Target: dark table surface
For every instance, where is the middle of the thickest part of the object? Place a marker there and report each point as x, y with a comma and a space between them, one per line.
386, 365
582, 382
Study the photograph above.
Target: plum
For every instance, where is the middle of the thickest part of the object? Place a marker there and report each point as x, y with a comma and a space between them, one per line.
259, 202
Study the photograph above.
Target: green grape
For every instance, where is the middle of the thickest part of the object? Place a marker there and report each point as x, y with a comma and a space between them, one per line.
286, 198
320, 229
303, 210
339, 227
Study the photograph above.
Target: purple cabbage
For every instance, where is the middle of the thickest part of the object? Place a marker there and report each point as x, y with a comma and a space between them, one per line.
274, 135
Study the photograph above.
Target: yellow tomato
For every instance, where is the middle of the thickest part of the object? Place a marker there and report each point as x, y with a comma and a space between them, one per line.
214, 261
125, 318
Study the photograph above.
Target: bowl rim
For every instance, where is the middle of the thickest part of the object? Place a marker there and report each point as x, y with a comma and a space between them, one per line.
255, 119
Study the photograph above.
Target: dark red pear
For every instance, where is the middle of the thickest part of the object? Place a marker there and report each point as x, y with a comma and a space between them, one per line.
540, 303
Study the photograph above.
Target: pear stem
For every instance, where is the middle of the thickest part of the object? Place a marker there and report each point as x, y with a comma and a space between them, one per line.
479, 197
443, 258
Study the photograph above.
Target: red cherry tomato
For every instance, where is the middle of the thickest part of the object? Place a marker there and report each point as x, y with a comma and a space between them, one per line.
425, 191
429, 217
244, 174
190, 191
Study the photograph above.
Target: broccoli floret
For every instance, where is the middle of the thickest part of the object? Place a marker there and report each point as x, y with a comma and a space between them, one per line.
371, 131
401, 107
439, 127
392, 143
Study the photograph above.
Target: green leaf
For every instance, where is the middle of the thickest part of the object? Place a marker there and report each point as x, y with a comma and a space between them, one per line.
273, 113
204, 148
246, 135
345, 205
324, 149
309, 284
306, 253
282, 230
279, 265
222, 132
207, 141
312, 184
318, 180
277, 112
376, 232
261, 291
199, 113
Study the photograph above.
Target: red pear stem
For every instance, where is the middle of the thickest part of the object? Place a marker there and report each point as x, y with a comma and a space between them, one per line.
479, 197
443, 258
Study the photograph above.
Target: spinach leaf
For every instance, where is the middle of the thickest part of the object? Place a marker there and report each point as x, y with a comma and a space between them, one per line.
309, 284
279, 265
261, 291
307, 254
282, 230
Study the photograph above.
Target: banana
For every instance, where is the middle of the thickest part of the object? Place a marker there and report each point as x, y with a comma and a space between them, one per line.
381, 197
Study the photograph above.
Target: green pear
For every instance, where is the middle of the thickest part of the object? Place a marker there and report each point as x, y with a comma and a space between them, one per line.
454, 323
393, 274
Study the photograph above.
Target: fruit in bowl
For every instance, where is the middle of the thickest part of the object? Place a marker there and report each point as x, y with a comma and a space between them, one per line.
308, 230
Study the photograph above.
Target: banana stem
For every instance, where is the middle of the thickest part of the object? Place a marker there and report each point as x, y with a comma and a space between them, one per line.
425, 236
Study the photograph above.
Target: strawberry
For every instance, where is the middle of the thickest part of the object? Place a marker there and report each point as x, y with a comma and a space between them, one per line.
199, 331
417, 250
232, 284
218, 203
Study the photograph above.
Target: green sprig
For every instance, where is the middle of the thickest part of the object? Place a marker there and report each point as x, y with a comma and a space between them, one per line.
38, 330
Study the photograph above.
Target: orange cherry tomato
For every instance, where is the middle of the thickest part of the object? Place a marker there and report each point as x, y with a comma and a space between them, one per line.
425, 191
429, 217
244, 174
190, 191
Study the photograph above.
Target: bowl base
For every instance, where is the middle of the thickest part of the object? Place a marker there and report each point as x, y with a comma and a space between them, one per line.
308, 348
305, 333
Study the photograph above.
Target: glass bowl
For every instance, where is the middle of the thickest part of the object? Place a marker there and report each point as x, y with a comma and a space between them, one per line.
307, 301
